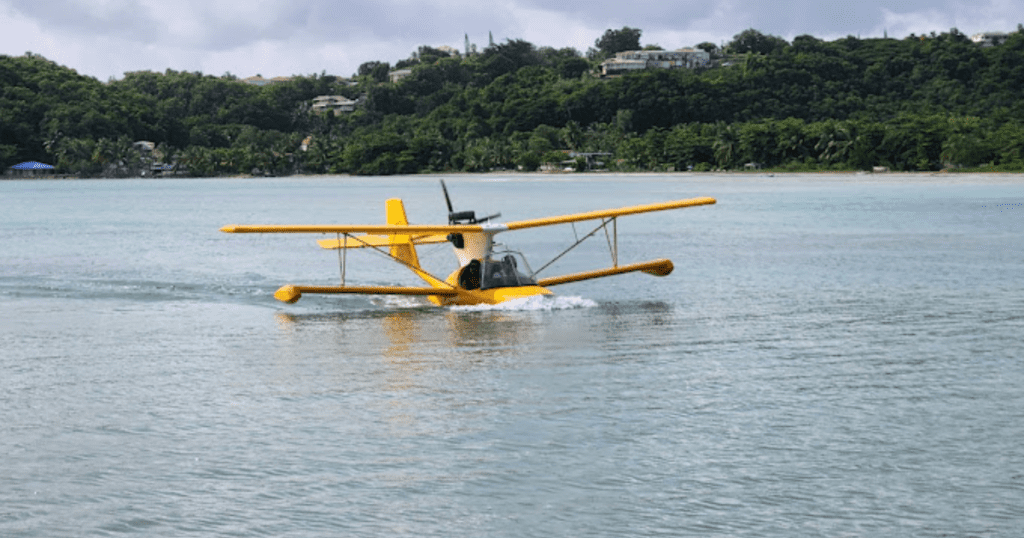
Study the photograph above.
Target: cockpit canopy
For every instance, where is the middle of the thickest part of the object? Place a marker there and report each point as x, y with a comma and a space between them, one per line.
508, 271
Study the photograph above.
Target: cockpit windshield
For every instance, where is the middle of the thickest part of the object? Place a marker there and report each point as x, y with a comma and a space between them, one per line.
508, 271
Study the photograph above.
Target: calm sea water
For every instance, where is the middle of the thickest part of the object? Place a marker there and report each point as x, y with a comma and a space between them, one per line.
834, 356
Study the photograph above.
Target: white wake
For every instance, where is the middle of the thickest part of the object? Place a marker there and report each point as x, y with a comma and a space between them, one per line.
532, 304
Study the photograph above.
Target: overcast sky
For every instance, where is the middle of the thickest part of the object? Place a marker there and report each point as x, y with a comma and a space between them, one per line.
106, 38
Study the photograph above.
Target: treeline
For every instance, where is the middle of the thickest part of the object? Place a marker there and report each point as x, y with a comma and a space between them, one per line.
919, 103
50, 113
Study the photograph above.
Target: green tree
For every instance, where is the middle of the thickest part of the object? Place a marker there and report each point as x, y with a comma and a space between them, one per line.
614, 41
572, 68
833, 142
506, 58
726, 145
709, 48
375, 70
751, 40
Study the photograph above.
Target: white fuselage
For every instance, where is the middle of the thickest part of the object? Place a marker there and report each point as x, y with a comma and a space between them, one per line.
476, 246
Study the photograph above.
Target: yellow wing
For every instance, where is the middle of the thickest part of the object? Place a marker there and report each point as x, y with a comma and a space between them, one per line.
360, 241
661, 267
290, 293
608, 213
429, 233
409, 229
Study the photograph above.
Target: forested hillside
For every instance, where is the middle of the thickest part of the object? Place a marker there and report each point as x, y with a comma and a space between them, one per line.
919, 103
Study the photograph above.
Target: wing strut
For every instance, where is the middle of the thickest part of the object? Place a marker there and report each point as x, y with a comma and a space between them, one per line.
418, 270
342, 257
613, 246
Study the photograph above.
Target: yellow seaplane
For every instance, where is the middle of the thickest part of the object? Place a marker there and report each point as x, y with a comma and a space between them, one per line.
486, 275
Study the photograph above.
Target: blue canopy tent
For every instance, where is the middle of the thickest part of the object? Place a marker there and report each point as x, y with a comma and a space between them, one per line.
29, 169
32, 165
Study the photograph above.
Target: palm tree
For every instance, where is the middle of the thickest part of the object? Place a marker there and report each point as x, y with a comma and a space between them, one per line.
834, 143
725, 144
572, 135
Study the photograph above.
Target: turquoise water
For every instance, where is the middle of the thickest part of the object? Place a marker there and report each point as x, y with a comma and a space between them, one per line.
834, 355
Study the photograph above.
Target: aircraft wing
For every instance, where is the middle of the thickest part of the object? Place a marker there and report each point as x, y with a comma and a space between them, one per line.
661, 267
607, 213
438, 229
360, 241
408, 229
290, 293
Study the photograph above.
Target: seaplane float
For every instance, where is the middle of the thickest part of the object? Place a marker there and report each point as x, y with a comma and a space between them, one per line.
486, 274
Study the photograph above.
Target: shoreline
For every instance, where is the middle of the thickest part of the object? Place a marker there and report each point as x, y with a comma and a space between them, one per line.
946, 173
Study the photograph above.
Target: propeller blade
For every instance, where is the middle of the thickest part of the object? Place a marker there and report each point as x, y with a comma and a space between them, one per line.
462, 217
448, 200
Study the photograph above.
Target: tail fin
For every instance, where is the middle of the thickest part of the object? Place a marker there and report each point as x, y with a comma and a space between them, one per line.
402, 246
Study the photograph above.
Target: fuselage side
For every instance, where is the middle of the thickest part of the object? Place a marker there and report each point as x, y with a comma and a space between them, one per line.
482, 280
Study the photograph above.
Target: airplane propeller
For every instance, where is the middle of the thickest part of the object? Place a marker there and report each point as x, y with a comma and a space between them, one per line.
463, 217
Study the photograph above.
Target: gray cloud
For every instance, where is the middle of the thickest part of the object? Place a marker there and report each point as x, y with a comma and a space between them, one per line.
124, 18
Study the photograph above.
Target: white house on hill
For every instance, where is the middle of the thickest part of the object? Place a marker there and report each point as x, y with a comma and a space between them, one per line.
989, 39
635, 60
338, 103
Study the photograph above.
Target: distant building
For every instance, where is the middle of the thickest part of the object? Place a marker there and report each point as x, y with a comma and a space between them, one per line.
399, 74
452, 51
258, 80
621, 65
635, 60
989, 39
337, 103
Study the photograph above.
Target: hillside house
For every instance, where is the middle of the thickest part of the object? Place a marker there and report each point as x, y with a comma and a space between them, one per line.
323, 104
399, 74
635, 60
258, 80
989, 39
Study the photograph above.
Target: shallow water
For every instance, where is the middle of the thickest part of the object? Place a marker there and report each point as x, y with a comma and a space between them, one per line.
834, 355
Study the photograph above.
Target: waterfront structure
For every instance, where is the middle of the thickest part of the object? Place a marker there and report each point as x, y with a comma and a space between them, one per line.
29, 169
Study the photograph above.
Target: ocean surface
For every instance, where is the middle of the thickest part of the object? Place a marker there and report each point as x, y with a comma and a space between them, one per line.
834, 355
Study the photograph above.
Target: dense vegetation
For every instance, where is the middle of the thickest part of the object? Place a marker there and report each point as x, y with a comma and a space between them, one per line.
919, 103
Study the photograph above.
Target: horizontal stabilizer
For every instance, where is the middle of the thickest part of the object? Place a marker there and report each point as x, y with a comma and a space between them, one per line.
290, 293
361, 241
410, 229
660, 267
